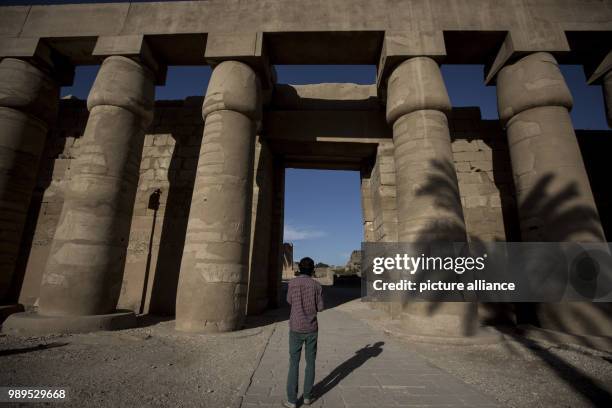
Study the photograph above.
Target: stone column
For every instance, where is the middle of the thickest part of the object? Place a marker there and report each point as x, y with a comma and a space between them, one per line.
553, 190
214, 270
428, 201
28, 104
554, 196
83, 275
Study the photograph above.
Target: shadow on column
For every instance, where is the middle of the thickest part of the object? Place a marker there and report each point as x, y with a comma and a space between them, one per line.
441, 184
493, 135
565, 221
71, 124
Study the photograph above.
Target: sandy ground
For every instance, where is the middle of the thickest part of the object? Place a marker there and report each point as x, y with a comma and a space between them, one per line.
147, 366
528, 375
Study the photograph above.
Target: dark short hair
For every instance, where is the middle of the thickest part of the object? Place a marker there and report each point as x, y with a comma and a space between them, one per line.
306, 266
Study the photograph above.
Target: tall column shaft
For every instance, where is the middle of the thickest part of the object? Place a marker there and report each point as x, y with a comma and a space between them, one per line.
428, 200
214, 270
554, 195
555, 201
84, 271
28, 103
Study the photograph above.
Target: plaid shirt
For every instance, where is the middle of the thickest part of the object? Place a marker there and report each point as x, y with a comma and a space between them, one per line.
305, 295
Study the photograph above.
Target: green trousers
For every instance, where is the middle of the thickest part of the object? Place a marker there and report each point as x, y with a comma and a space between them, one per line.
296, 340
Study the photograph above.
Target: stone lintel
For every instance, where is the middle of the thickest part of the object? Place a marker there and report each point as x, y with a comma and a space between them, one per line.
604, 66
12, 19
518, 44
401, 45
222, 46
326, 96
134, 47
36, 51
245, 47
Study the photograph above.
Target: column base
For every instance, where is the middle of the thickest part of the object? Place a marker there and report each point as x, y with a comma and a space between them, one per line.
7, 310
34, 324
483, 335
530, 332
443, 329
453, 319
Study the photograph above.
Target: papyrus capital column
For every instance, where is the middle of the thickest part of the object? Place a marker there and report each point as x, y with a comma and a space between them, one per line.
214, 270
428, 201
553, 191
28, 105
83, 275
555, 202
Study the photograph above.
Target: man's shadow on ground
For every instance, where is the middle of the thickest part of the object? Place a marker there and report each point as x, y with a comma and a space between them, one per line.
343, 370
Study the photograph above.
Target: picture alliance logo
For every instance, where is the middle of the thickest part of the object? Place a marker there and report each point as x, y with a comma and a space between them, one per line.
540, 271
414, 264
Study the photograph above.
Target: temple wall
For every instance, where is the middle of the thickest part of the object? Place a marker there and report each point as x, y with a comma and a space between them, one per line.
382, 185
480, 153
157, 234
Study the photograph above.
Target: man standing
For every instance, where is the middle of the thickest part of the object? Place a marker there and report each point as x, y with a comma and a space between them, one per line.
305, 296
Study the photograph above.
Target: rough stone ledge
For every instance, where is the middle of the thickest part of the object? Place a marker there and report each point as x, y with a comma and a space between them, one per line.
34, 324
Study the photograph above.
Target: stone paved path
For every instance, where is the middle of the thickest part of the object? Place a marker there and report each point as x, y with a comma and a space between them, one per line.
358, 367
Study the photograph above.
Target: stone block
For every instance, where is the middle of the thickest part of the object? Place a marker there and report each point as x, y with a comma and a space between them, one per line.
161, 139
236, 44
387, 191
60, 167
462, 145
473, 156
148, 174
33, 324
495, 201
463, 167
483, 165
387, 179
469, 178
475, 201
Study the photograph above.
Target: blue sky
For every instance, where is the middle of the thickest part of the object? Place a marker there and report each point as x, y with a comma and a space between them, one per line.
322, 208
